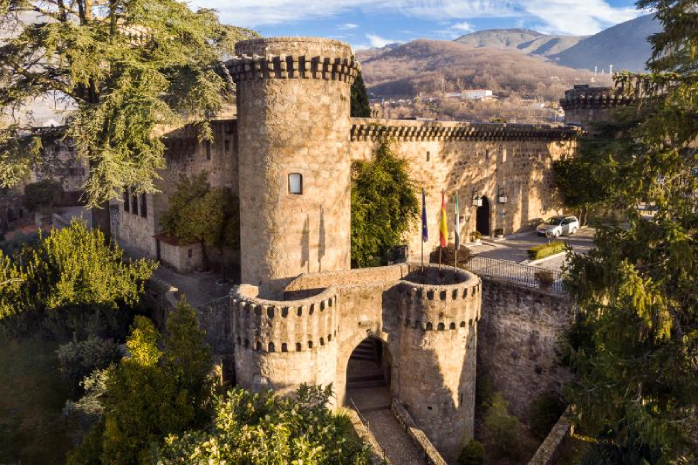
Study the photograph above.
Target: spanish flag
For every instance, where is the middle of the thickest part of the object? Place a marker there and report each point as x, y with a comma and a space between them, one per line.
443, 225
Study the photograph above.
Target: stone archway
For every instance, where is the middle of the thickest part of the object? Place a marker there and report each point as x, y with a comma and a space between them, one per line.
368, 375
482, 217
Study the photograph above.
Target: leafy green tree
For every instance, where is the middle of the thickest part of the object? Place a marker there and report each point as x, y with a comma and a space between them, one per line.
152, 392
78, 359
384, 206
265, 428
125, 69
198, 213
72, 269
360, 107
42, 194
636, 344
503, 427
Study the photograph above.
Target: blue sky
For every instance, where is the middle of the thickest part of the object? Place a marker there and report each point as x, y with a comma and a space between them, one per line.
374, 23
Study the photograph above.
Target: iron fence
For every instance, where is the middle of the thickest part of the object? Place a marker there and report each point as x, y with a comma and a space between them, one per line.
523, 275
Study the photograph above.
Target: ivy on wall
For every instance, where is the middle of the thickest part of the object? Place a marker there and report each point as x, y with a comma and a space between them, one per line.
384, 205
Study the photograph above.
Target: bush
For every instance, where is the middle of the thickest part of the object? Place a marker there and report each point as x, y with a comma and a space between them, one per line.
543, 413
79, 359
448, 255
42, 194
472, 454
545, 278
503, 427
484, 391
499, 232
546, 250
475, 235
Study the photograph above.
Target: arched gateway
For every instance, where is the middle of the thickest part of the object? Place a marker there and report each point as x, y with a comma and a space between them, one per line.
415, 329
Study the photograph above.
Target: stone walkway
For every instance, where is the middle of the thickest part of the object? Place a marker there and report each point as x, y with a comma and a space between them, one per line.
398, 446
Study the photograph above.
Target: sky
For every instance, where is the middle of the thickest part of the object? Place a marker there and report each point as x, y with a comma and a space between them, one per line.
375, 23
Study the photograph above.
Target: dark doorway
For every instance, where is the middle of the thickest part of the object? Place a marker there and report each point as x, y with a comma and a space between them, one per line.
368, 375
483, 218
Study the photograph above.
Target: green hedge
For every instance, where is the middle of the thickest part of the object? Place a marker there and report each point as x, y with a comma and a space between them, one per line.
546, 250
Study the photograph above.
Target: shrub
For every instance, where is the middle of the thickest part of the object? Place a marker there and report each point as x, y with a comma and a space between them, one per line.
484, 391
448, 255
79, 359
472, 454
543, 413
42, 194
475, 235
503, 427
545, 278
499, 232
546, 250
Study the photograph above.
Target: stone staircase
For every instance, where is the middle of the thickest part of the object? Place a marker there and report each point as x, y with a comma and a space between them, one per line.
364, 369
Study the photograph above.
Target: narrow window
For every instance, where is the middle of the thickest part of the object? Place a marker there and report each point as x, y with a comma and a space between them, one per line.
227, 145
295, 183
190, 253
144, 206
487, 154
134, 202
126, 198
208, 150
428, 156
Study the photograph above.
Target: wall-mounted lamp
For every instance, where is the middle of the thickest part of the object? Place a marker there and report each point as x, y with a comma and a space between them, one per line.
502, 196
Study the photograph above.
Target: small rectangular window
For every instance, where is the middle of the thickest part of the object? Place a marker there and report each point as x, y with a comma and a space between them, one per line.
208, 150
428, 156
134, 203
144, 206
227, 145
126, 198
190, 253
295, 183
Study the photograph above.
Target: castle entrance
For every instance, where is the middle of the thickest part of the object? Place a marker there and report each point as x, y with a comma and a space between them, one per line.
482, 217
368, 376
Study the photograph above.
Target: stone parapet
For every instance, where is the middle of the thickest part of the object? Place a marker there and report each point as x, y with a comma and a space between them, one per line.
293, 58
283, 326
431, 455
413, 130
431, 305
594, 98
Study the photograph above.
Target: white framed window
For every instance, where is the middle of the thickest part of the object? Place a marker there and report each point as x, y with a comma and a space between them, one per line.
295, 183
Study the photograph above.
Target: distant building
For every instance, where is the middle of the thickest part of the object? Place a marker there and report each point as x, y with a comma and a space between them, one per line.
477, 94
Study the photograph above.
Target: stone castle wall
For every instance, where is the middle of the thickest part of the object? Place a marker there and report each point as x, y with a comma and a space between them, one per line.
519, 345
428, 333
473, 159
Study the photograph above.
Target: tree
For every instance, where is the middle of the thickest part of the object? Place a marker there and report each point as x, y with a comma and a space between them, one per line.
384, 206
42, 194
125, 70
265, 428
152, 393
198, 213
635, 347
360, 107
72, 269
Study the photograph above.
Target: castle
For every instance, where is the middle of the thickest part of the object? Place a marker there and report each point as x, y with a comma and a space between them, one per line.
301, 311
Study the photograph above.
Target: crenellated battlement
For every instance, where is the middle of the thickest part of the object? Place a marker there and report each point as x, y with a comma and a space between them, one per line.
283, 326
439, 299
249, 68
584, 97
413, 130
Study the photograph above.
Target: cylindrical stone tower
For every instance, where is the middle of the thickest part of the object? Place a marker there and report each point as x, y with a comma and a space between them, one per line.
293, 98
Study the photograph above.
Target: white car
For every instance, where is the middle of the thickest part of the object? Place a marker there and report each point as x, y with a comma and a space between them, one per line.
558, 226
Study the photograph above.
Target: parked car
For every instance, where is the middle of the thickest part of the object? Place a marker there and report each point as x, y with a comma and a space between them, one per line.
558, 226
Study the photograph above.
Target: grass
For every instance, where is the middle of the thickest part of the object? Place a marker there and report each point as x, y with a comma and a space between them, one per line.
32, 395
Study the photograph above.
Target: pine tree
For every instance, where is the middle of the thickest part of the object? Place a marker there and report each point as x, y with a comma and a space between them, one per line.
635, 348
128, 70
360, 107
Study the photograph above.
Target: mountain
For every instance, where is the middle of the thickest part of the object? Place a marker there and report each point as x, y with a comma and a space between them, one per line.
433, 66
523, 40
624, 46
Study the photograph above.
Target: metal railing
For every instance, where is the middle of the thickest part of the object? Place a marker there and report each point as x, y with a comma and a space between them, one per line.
523, 275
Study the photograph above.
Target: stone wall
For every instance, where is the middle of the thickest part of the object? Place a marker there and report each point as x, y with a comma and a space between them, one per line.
518, 349
474, 159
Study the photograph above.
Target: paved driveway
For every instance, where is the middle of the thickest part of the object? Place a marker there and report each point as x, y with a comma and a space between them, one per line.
515, 247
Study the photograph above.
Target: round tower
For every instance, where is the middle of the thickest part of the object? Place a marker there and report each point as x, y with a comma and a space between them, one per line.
293, 99
586, 105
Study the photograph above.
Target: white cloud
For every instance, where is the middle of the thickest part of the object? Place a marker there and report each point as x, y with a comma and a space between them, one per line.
377, 41
576, 17
456, 30
462, 27
348, 26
